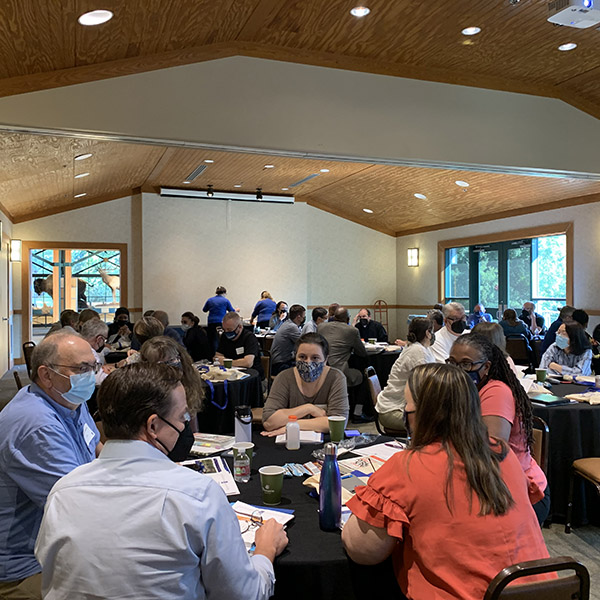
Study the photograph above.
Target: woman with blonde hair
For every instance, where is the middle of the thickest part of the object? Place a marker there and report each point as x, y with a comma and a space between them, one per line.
263, 310
453, 509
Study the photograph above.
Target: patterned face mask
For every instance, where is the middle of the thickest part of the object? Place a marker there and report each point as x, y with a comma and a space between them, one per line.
309, 371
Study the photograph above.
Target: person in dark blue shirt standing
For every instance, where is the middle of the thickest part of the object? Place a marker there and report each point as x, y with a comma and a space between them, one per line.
216, 307
263, 310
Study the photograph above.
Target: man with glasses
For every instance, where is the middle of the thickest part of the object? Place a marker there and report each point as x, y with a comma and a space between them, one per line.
239, 345
455, 324
45, 432
157, 530
95, 333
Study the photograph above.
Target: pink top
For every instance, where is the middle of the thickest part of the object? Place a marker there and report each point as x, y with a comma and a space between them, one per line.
447, 553
497, 400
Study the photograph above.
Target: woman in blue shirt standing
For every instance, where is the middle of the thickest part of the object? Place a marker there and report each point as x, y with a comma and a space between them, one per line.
263, 310
216, 307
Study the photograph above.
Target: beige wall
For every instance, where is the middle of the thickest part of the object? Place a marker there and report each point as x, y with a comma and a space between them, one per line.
5, 308
275, 105
419, 285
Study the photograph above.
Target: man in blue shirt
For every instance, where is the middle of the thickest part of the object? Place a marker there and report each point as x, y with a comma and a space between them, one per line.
284, 343
216, 307
45, 432
478, 316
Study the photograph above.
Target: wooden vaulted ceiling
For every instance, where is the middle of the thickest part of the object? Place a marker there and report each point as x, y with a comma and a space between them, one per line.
42, 45
37, 178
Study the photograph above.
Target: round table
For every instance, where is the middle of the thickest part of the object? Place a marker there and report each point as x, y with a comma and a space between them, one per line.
314, 564
383, 362
220, 401
574, 433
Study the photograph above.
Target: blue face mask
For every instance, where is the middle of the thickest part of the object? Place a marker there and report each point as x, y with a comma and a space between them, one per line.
561, 341
309, 371
231, 335
82, 387
474, 375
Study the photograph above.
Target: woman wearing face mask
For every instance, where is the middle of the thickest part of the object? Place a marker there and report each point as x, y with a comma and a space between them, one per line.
391, 401
194, 338
505, 408
571, 352
166, 351
279, 316
312, 391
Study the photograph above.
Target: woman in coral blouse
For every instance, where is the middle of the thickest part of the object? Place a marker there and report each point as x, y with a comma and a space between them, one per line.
505, 407
453, 510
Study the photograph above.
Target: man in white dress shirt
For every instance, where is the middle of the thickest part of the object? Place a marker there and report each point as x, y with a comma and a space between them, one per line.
455, 324
133, 524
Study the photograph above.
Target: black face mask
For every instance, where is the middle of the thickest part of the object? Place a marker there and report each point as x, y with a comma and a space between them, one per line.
364, 322
121, 323
458, 327
184, 442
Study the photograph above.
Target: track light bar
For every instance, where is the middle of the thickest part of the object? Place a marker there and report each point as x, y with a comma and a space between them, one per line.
249, 197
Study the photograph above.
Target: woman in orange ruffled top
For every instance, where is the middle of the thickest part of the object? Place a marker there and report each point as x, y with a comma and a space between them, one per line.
453, 509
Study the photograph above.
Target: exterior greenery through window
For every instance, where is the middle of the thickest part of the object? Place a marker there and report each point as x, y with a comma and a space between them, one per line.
507, 274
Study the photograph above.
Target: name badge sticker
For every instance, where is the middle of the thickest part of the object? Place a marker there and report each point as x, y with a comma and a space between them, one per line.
88, 434
239, 350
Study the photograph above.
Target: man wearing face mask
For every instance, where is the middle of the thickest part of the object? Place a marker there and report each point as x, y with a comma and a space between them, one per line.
282, 350
239, 344
46, 431
95, 332
455, 324
158, 530
369, 329
478, 316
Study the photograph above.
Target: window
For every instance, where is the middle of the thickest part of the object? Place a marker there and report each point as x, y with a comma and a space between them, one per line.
506, 274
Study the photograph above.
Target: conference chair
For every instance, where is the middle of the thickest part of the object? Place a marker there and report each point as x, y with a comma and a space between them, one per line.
519, 350
266, 365
575, 586
541, 443
17, 380
588, 469
375, 388
536, 344
27, 352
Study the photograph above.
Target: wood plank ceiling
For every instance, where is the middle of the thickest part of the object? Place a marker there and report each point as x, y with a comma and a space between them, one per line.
42, 46
38, 178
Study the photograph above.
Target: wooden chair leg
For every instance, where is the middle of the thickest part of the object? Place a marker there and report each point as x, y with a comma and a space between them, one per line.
570, 501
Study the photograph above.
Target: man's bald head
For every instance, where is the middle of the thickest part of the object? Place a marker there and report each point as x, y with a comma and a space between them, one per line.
341, 314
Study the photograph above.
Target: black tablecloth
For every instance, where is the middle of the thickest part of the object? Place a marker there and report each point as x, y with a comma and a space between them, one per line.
574, 433
314, 566
383, 363
218, 414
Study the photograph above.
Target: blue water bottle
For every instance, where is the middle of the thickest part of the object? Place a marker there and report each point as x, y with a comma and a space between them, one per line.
330, 491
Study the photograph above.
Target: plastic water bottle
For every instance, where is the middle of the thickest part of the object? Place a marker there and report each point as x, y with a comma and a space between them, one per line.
330, 491
292, 433
241, 467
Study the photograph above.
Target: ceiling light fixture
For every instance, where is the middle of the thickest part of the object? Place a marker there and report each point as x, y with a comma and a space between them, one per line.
237, 195
471, 30
80, 195
284, 189
420, 196
209, 160
568, 46
80, 175
360, 11
83, 156
209, 192
259, 195
95, 17
269, 166
238, 185
187, 182
462, 184
368, 211
324, 170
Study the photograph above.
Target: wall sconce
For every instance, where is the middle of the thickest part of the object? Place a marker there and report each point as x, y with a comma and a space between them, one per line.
15, 250
413, 257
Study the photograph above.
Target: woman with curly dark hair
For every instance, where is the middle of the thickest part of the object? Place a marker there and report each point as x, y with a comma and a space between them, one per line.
505, 408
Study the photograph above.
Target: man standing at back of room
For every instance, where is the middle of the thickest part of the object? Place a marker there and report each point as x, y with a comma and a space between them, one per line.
46, 431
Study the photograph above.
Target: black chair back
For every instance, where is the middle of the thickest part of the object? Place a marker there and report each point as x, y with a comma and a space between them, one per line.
27, 352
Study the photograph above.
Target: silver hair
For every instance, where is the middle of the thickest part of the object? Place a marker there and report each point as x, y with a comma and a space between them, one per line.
46, 352
232, 316
452, 307
93, 328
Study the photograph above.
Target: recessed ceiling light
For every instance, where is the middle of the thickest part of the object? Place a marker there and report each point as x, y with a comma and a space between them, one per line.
80, 175
567, 47
95, 17
471, 30
324, 170
420, 196
284, 189
187, 182
360, 11
209, 160
269, 166
80, 195
460, 183
368, 211
238, 185
83, 156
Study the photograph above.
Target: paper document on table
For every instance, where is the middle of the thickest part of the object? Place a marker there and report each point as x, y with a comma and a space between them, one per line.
210, 443
216, 468
381, 451
526, 383
250, 518
589, 397
306, 437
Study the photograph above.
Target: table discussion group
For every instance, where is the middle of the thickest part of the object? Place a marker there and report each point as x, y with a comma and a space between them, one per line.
93, 502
